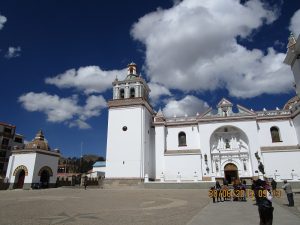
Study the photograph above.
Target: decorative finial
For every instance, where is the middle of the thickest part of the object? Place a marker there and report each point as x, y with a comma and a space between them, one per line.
40, 135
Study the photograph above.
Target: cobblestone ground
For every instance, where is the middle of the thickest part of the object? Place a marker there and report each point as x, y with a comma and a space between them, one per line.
134, 207
100, 206
282, 201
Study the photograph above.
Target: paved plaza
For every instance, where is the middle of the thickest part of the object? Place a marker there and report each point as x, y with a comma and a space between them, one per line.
132, 206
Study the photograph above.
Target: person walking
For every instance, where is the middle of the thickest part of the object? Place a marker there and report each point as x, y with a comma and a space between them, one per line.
289, 192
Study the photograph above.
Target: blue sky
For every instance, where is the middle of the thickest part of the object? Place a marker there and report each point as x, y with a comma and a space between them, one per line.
58, 59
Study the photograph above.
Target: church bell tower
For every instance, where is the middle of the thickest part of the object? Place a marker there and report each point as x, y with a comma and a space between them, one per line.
129, 128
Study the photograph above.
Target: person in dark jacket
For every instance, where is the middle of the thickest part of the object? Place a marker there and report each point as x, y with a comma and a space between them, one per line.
264, 202
274, 185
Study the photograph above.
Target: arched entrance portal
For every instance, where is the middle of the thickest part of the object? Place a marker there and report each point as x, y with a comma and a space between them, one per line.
20, 172
230, 172
45, 173
44, 180
19, 182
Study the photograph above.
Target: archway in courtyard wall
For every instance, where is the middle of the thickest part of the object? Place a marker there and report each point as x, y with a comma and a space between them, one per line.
229, 146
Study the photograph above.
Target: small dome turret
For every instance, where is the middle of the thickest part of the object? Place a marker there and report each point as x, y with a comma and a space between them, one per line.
132, 71
39, 142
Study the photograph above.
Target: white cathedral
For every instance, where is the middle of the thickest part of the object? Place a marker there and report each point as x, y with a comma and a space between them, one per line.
227, 143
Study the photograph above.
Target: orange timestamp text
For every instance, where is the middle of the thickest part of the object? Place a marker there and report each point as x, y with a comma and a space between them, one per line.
242, 193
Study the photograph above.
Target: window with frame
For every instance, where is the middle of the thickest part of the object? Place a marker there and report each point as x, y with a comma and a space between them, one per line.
18, 140
182, 139
5, 141
7, 130
275, 134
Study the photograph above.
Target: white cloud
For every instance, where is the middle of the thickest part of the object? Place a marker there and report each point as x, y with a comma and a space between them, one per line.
64, 110
295, 23
157, 91
189, 105
13, 52
3, 20
90, 79
80, 124
193, 46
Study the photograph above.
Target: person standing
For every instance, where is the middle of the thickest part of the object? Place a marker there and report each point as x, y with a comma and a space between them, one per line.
289, 192
244, 189
85, 182
219, 194
264, 203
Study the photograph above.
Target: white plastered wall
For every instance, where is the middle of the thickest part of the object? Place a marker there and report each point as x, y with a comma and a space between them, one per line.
192, 137
27, 160
185, 165
280, 165
45, 160
127, 151
287, 132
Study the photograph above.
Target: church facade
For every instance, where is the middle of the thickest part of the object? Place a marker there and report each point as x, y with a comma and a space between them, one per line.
227, 142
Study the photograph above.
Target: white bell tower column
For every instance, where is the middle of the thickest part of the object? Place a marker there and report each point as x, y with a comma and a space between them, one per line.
128, 154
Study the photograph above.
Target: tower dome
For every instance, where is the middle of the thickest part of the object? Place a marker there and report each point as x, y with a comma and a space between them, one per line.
39, 142
131, 71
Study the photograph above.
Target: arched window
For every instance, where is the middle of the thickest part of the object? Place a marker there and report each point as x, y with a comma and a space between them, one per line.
181, 139
132, 92
122, 93
275, 134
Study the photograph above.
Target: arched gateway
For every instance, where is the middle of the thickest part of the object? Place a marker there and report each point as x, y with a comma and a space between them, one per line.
229, 148
20, 173
230, 172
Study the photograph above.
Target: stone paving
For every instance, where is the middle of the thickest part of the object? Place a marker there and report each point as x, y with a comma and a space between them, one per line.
131, 207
